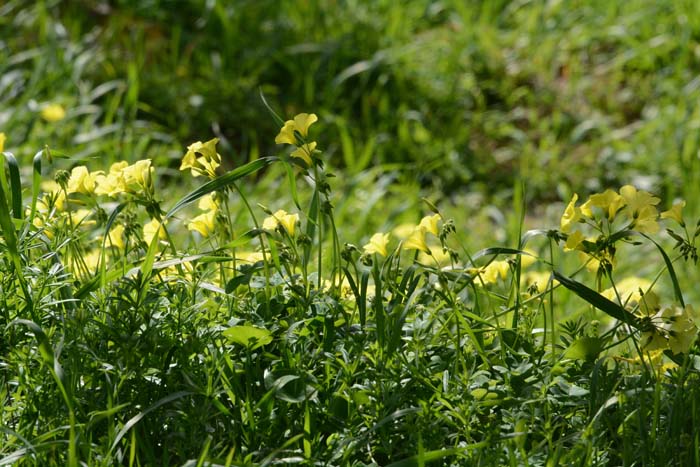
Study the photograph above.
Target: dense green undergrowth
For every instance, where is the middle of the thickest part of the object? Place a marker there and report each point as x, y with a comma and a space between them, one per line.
272, 339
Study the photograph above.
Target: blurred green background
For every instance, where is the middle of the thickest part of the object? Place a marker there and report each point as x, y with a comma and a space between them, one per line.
457, 98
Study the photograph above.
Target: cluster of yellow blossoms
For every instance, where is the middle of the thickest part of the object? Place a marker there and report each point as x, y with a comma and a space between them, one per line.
202, 158
637, 207
670, 327
413, 237
295, 132
134, 179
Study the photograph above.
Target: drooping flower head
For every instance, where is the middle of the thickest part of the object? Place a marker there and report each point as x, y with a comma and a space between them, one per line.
430, 224
377, 244
675, 213
295, 132
416, 241
82, 181
202, 158
301, 124
281, 219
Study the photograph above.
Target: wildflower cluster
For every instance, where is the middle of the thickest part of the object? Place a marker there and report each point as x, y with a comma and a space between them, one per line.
611, 215
295, 132
665, 327
202, 158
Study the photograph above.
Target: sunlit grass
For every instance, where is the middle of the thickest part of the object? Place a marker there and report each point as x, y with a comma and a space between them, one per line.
188, 279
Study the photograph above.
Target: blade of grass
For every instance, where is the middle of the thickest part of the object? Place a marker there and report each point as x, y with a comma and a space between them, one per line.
597, 300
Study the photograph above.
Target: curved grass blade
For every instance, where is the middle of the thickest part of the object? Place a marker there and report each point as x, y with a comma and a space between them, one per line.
15, 185
10, 236
597, 300
36, 179
135, 419
209, 187
220, 182
108, 227
671, 271
277, 118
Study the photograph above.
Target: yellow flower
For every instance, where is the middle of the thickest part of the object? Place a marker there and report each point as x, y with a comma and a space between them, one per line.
573, 241
416, 241
301, 124
138, 176
636, 201
151, 228
204, 223
571, 215
377, 244
304, 152
207, 203
608, 201
116, 236
640, 209
251, 257
202, 158
403, 231
53, 113
281, 218
3, 138
113, 183
493, 271
430, 224
680, 327
437, 256
675, 213
653, 340
645, 221
79, 217
82, 181
629, 289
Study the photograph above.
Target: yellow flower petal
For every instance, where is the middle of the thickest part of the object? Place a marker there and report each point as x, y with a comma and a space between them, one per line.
377, 244
281, 218
416, 241
305, 151
608, 201
116, 237
675, 213
430, 224
571, 215
3, 138
286, 134
574, 240
204, 223
303, 121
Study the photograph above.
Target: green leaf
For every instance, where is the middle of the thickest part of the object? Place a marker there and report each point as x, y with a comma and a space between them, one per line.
15, 185
248, 336
597, 300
